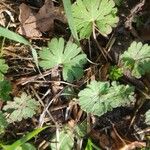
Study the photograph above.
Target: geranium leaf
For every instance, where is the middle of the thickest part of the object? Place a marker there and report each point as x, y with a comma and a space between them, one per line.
5, 89
100, 97
22, 107
3, 69
67, 56
147, 117
3, 122
65, 141
137, 59
89, 14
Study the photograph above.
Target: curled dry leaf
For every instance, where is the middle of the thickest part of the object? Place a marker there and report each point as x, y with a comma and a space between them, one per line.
34, 24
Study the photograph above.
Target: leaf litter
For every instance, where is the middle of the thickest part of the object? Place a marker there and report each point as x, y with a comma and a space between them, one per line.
35, 22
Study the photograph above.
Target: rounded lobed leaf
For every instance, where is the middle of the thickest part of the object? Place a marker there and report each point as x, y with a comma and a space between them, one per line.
65, 140
100, 97
67, 56
89, 14
137, 59
22, 107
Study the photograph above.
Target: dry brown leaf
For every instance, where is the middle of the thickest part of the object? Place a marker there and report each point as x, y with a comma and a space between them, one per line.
28, 25
45, 17
133, 145
34, 24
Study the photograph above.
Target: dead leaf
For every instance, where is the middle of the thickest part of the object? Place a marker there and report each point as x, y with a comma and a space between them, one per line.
133, 145
45, 17
28, 25
34, 24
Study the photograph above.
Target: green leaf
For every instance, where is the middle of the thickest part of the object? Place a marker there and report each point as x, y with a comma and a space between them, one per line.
68, 57
4, 32
3, 69
147, 117
5, 89
19, 143
137, 59
22, 107
3, 122
115, 73
89, 14
68, 11
81, 129
100, 97
65, 140
91, 146
26, 146
12, 36
118, 2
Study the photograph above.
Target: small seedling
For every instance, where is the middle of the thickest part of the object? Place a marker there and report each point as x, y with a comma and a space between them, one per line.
115, 73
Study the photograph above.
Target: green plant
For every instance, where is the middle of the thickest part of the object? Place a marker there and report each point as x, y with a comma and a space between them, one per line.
3, 123
16, 37
26, 146
115, 73
68, 57
21, 143
137, 59
81, 129
91, 146
5, 89
65, 141
68, 11
22, 107
100, 97
94, 14
12, 36
147, 117
3, 69
118, 2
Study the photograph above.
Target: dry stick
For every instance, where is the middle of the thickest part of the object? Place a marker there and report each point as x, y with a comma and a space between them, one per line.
57, 126
98, 45
46, 109
33, 78
128, 23
110, 43
41, 102
143, 131
117, 134
61, 82
103, 51
141, 104
6, 5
